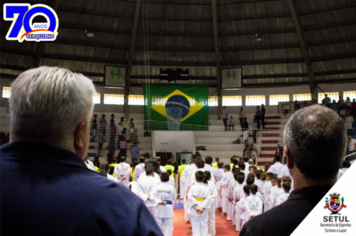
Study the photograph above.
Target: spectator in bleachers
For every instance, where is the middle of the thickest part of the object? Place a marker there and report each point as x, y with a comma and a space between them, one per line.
94, 127
122, 145
135, 152
247, 145
124, 123
296, 106
327, 101
120, 131
101, 139
353, 109
112, 136
103, 123
352, 147
342, 109
305, 104
132, 129
231, 124
339, 104
225, 117
245, 125
348, 106
112, 121
254, 130
135, 137
262, 115
241, 116
279, 150
334, 106
111, 155
257, 116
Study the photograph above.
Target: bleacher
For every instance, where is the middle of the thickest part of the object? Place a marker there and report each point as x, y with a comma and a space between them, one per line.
217, 142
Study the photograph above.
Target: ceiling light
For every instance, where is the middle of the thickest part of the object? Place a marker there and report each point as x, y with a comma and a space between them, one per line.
89, 34
258, 37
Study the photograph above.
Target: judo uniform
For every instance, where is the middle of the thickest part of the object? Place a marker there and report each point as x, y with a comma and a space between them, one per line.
224, 190
122, 170
199, 195
164, 213
146, 193
184, 180
139, 169
211, 212
266, 187
253, 205
282, 198
275, 192
238, 192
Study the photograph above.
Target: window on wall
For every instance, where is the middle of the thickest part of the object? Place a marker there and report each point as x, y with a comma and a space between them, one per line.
6, 92
232, 100
302, 97
275, 99
136, 100
350, 94
114, 99
255, 100
213, 101
332, 96
96, 98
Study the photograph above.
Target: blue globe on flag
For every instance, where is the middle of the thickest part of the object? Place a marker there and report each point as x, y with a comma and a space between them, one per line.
177, 107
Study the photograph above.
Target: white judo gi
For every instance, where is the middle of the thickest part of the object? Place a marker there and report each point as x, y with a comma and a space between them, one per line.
144, 176
165, 213
171, 181
109, 176
211, 212
276, 168
282, 198
224, 190
238, 192
185, 186
90, 165
162, 169
244, 213
145, 192
266, 187
253, 205
215, 173
275, 192
139, 169
199, 195
122, 170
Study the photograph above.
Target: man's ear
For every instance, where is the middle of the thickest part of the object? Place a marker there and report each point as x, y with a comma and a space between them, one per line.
79, 137
290, 161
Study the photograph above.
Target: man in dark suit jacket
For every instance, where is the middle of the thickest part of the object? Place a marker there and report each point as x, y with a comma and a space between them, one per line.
46, 189
314, 169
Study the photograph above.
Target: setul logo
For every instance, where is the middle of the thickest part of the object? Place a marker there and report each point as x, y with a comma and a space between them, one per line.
335, 205
22, 28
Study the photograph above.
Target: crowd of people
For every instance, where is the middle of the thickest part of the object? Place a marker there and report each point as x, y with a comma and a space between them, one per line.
48, 184
120, 132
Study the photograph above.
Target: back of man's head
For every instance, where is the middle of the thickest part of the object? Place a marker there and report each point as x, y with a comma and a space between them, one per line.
199, 162
242, 166
184, 161
277, 158
208, 160
316, 139
48, 104
217, 159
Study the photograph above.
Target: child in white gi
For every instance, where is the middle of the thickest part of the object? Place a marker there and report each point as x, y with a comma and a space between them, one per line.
122, 172
164, 210
146, 187
199, 199
266, 187
211, 212
275, 193
253, 203
238, 192
171, 179
224, 190
268, 196
283, 196
245, 216
231, 123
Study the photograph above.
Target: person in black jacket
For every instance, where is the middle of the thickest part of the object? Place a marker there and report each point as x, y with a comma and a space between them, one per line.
314, 169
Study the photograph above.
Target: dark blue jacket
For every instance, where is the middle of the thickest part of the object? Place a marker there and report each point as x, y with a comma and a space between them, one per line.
47, 190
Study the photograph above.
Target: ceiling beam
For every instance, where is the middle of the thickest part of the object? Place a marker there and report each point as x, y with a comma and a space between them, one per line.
304, 47
217, 56
41, 45
129, 58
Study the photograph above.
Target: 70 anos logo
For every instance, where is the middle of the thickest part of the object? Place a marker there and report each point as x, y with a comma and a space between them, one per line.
22, 28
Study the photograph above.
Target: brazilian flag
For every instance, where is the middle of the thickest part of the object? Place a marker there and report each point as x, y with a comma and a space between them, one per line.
176, 107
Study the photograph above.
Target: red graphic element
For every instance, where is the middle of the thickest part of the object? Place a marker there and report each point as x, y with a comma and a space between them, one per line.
37, 30
337, 210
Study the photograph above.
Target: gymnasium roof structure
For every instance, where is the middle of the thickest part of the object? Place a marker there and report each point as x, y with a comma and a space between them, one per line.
179, 33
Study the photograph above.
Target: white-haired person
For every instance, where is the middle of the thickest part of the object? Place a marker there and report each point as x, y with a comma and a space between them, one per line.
44, 179
313, 169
